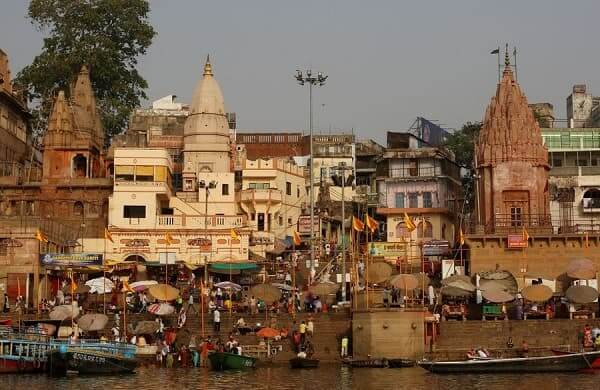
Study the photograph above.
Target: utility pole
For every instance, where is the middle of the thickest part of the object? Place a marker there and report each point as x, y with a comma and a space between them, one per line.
319, 80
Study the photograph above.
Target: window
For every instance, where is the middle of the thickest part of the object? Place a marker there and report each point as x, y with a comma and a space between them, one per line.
402, 231
252, 217
413, 200
427, 203
280, 220
289, 222
225, 189
78, 209
516, 216
134, 211
413, 169
324, 174
124, 173
557, 162
400, 200
160, 174
582, 163
298, 191
424, 231
144, 173
258, 186
288, 188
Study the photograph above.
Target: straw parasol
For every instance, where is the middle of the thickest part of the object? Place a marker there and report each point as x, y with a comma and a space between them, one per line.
497, 296
581, 268
453, 278
145, 327
464, 285
449, 291
268, 333
266, 292
161, 309
63, 312
582, 294
423, 280
404, 281
379, 272
92, 322
163, 292
324, 288
537, 293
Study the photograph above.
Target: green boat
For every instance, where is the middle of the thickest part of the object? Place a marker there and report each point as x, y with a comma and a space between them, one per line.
229, 361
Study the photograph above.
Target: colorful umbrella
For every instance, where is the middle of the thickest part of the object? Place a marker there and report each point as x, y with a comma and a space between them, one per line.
161, 309
229, 286
582, 294
537, 293
142, 285
404, 281
268, 333
163, 292
92, 322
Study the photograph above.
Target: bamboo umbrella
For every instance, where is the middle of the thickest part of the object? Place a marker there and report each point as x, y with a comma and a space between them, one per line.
537, 293
404, 281
453, 278
497, 296
379, 272
324, 288
450, 291
581, 268
582, 294
92, 322
163, 292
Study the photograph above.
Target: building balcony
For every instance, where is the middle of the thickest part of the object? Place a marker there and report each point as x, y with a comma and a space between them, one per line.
261, 196
201, 221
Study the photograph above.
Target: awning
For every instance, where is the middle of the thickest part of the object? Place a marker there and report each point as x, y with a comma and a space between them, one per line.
226, 267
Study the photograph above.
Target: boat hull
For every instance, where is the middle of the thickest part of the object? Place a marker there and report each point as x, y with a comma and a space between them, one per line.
228, 361
595, 364
570, 362
304, 363
88, 362
13, 366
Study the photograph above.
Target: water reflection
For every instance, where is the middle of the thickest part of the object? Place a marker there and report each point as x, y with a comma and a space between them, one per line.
280, 377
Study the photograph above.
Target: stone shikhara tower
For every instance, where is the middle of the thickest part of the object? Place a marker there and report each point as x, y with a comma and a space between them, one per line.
511, 162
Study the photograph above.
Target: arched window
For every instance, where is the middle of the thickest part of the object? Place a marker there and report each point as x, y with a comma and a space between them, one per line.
591, 199
426, 232
78, 209
79, 166
402, 231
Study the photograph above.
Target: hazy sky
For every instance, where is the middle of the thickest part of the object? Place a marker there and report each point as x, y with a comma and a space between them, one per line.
387, 61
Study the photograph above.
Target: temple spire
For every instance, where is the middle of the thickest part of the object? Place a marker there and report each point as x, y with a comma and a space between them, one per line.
207, 67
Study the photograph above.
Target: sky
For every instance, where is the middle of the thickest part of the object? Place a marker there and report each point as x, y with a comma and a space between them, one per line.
387, 61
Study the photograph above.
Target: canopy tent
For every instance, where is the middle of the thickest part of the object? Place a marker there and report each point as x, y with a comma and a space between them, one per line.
234, 268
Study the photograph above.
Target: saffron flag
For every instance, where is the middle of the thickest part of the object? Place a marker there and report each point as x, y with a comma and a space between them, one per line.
372, 224
461, 237
525, 235
297, 240
127, 287
234, 234
40, 236
357, 224
73, 284
169, 238
410, 225
108, 236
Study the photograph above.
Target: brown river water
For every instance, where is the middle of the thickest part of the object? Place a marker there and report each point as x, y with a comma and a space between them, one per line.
328, 377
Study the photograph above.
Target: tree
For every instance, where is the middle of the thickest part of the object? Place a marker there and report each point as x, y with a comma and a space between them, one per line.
106, 35
462, 144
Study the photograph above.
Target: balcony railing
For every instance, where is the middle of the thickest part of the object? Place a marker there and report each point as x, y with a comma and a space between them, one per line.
261, 195
575, 171
414, 172
199, 221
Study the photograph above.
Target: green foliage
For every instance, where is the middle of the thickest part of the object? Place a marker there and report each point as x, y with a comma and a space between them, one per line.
462, 144
106, 35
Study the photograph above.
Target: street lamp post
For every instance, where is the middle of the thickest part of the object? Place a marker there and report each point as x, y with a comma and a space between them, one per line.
311, 80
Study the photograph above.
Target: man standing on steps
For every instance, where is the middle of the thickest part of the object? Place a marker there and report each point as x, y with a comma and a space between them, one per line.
217, 320
191, 303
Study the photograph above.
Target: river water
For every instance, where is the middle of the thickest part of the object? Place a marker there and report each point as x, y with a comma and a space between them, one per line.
328, 377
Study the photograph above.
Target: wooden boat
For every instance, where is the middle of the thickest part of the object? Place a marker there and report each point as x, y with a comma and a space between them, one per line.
399, 363
229, 361
555, 363
304, 363
85, 361
371, 363
559, 352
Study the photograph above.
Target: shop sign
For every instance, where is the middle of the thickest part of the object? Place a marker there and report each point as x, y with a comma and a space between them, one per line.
516, 241
304, 224
71, 259
387, 249
436, 248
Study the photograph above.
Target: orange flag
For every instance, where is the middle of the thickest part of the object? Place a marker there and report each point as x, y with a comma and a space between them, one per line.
357, 224
297, 240
372, 224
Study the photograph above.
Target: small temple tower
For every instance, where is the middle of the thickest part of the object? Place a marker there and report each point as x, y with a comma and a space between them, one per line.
511, 162
73, 145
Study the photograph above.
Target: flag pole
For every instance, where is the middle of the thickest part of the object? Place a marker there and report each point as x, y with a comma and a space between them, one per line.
104, 276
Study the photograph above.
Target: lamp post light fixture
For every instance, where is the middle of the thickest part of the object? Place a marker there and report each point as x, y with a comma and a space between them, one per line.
318, 80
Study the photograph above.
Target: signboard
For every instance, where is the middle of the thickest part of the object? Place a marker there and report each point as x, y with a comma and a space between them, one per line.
304, 224
436, 248
516, 241
69, 260
167, 257
388, 249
